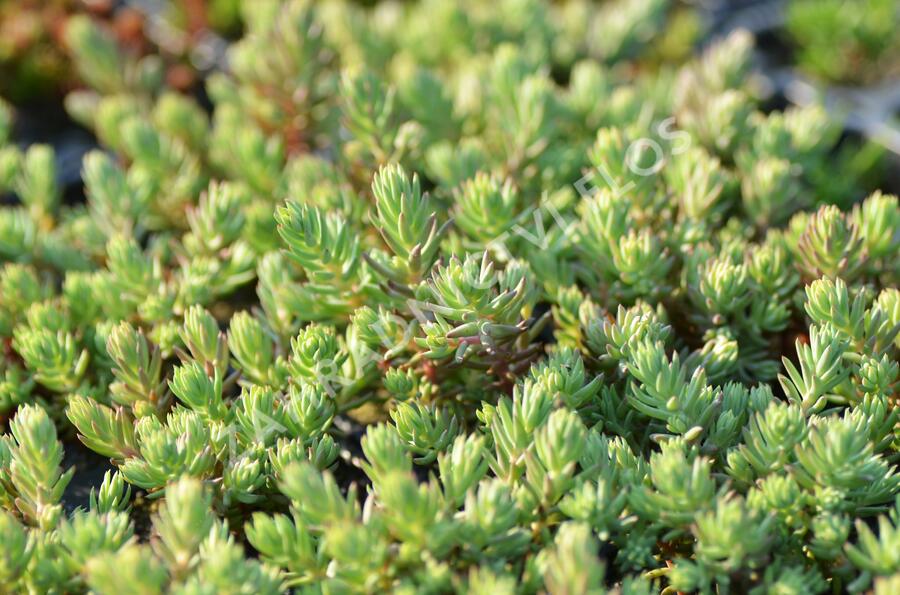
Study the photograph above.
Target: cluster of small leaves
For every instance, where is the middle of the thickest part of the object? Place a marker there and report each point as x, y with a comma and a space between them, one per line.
537, 307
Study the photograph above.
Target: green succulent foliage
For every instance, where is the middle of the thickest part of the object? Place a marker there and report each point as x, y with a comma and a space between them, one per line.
844, 42
508, 297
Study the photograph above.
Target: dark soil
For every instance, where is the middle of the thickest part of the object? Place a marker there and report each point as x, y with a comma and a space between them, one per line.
89, 470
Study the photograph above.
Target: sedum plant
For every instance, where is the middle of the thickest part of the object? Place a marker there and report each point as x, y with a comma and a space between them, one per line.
845, 42
446, 298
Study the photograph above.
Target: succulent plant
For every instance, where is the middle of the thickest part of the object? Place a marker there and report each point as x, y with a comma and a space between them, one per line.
448, 297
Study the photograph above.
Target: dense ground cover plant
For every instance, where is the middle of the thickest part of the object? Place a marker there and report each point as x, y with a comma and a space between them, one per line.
846, 42
34, 63
450, 297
